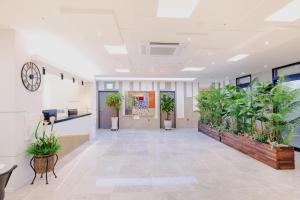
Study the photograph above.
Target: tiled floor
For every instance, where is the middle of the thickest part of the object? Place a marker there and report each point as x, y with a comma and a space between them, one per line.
151, 164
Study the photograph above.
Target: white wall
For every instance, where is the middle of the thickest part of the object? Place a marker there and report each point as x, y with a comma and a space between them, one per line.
20, 109
263, 76
185, 102
60, 94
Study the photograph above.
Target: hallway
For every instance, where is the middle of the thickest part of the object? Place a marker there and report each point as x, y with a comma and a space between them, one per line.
159, 165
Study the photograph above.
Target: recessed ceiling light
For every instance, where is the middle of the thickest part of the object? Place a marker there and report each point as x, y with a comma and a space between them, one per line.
213, 63
267, 43
209, 53
116, 49
193, 69
189, 39
176, 8
266, 66
143, 79
122, 70
238, 57
99, 34
288, 13
243, 73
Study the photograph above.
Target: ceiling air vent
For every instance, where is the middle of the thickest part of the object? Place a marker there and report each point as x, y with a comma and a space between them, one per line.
161, 48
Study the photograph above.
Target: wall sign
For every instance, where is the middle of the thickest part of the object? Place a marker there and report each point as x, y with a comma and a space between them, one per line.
31, 76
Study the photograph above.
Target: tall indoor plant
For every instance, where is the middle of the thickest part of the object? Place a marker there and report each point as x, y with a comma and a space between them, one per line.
167, 104
114, 100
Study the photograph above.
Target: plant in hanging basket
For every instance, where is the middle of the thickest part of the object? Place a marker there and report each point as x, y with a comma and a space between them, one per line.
44, 147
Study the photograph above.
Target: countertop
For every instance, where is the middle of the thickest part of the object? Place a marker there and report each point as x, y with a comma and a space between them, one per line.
72, 117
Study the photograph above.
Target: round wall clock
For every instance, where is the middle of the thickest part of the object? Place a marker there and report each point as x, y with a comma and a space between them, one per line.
31, 76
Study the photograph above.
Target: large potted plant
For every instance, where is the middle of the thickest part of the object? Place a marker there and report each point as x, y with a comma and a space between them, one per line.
167, 104
114, 100
44, 149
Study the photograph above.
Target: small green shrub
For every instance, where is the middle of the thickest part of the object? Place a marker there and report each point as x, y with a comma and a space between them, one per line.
261, 138
44, 146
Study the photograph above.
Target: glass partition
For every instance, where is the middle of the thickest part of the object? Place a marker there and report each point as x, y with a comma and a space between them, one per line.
291, 74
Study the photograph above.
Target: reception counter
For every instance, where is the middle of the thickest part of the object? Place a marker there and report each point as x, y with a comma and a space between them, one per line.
73, 131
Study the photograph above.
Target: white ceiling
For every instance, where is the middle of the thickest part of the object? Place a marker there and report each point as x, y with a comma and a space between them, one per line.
72, 34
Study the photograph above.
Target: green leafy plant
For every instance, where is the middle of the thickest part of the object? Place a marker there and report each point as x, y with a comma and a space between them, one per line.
114, 100
262, 112
46, 144
167, 104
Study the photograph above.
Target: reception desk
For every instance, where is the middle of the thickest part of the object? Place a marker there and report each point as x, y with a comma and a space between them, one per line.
73, 131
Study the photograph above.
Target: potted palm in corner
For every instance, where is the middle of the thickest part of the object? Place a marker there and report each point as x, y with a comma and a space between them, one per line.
167, 104
114, 100
44, 149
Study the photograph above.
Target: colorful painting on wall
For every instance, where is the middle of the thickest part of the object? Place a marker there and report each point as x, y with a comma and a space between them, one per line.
141, 103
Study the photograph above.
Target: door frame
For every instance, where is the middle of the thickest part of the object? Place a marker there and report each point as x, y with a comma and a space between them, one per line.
160, 117
98, 105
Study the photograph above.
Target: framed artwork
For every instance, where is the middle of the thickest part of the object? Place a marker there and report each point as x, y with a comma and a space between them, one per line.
141, 103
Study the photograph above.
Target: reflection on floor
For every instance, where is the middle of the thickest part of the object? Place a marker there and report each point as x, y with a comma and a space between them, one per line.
153, 164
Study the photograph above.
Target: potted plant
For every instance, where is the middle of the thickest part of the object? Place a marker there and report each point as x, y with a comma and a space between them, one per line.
44, 149
114, 100
167, 104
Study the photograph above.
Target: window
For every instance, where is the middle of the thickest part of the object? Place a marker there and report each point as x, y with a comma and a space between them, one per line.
289, 72
244, 81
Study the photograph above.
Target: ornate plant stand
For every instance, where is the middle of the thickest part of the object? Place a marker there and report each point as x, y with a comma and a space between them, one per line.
43, 164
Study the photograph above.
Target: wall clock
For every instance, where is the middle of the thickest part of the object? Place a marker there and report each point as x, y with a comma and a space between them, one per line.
31, 76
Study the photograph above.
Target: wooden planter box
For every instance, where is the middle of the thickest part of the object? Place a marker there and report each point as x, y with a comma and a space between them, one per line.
276, 157
207, 130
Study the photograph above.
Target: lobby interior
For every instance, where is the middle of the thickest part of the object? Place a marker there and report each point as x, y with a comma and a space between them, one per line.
150, 99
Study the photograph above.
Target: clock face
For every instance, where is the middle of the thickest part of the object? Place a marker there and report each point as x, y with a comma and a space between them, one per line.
31, 76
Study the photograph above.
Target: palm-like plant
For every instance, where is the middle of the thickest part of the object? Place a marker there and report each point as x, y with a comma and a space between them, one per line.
114, 100
167, 104
262, 113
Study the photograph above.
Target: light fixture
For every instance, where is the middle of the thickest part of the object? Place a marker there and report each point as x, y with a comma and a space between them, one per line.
193, 69
44, 71
99, 34
209, 53
213, 63
267, 43
176, 8
288, 13
243, 73
143, 79
61, 76
266, 66
189, 39
238, 57
116, 49
122, 70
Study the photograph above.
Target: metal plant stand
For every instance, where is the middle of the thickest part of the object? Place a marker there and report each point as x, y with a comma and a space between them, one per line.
46, 158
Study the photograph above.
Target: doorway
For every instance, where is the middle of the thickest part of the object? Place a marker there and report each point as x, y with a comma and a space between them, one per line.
105, 112
163, 115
